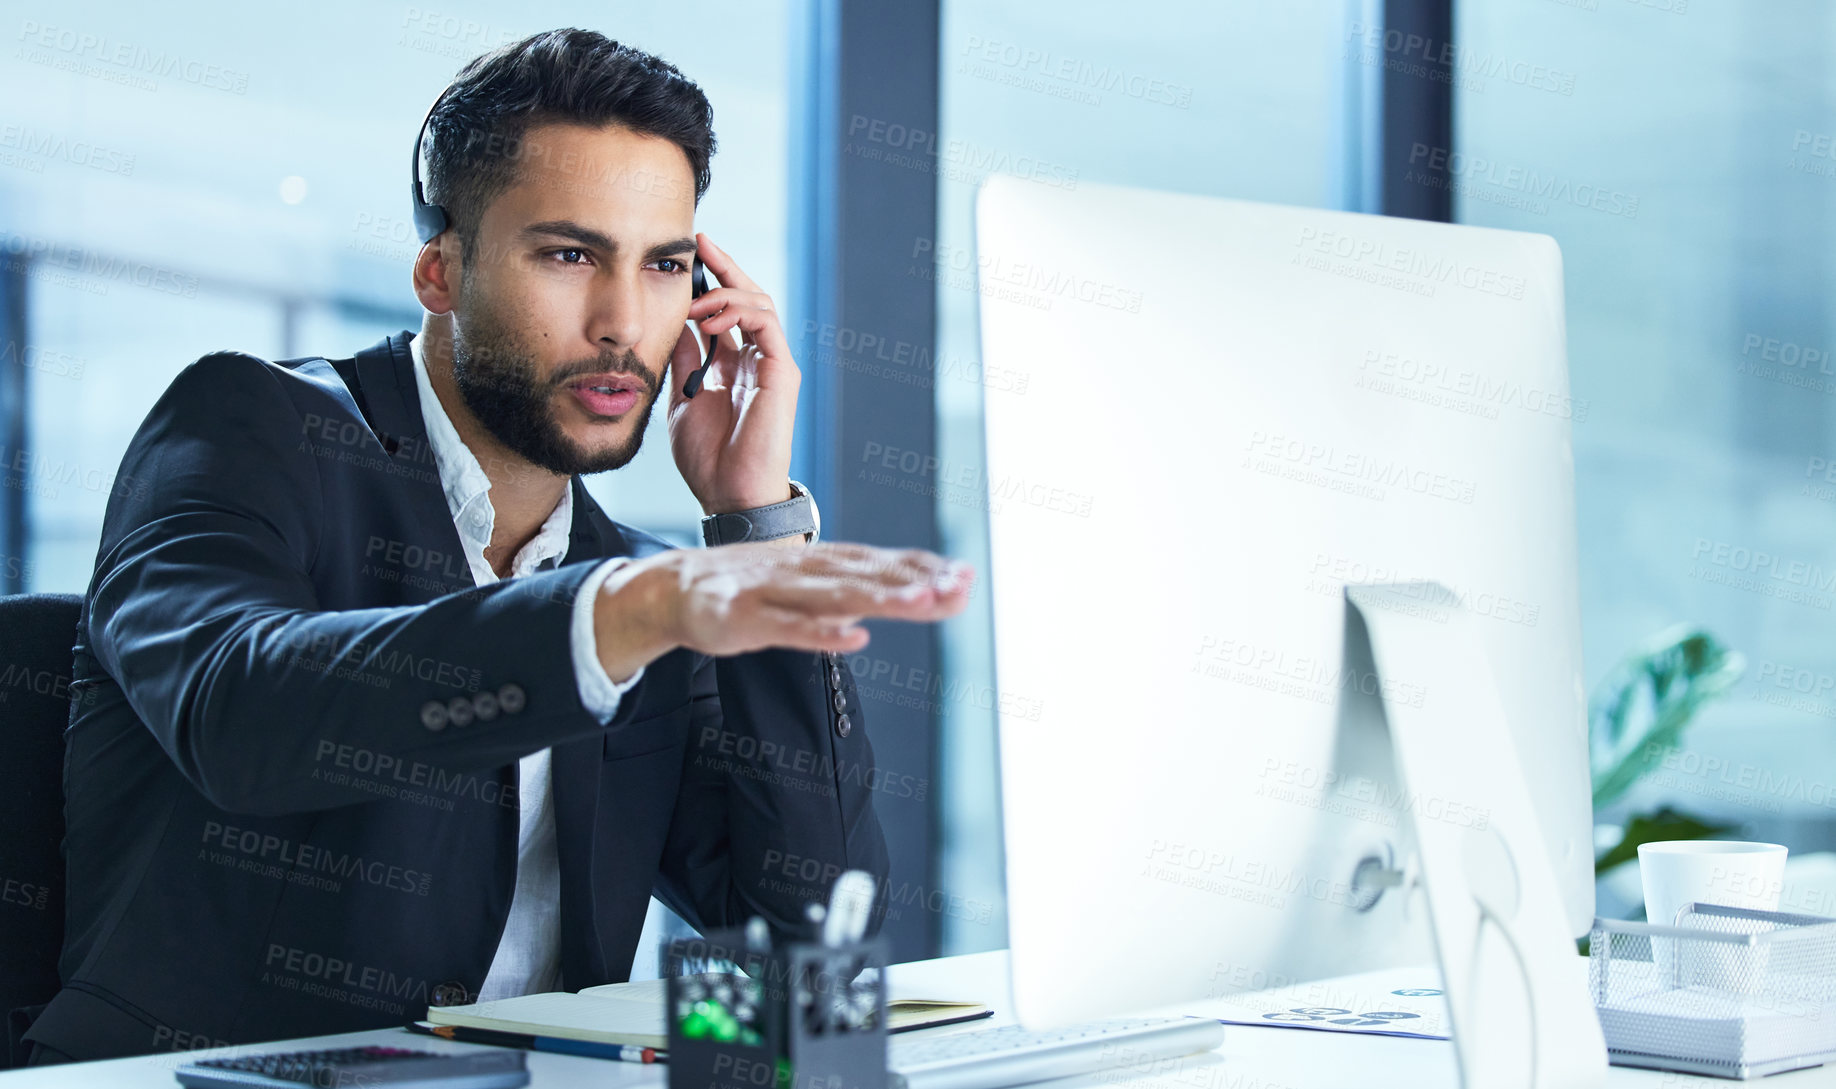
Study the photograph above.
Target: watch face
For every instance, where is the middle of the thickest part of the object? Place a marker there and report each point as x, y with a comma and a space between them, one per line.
815, 532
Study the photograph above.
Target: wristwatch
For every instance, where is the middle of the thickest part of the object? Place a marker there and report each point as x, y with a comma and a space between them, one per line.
797, 514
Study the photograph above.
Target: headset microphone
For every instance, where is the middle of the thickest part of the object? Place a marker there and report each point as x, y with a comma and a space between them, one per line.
691, 385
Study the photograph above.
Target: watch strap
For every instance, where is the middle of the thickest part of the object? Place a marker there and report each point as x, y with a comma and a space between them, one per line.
794, 516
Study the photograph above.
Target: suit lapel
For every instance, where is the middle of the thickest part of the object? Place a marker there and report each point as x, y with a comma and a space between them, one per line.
381, 379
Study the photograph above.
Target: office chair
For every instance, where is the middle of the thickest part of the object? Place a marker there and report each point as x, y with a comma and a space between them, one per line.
36, 635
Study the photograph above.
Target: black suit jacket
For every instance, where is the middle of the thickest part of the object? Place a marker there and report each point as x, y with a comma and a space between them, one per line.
291, 764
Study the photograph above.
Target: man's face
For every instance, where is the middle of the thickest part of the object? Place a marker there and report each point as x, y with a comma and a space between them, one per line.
573, 294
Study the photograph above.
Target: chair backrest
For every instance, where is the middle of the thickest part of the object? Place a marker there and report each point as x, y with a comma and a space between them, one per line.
37, 632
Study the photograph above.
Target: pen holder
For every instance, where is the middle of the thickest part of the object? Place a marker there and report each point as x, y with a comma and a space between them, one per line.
801, 1016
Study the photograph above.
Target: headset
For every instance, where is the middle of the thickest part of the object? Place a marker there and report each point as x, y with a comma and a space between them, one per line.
431, 219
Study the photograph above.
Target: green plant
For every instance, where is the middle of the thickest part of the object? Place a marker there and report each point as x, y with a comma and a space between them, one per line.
1639, 713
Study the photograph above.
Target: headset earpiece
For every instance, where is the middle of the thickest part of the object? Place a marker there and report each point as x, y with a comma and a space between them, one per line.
429, 219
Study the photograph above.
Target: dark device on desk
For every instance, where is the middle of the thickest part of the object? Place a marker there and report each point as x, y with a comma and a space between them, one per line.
430, 219
744, 1015
393, 1067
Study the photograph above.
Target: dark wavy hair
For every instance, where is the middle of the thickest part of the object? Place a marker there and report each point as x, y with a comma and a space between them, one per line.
475, 137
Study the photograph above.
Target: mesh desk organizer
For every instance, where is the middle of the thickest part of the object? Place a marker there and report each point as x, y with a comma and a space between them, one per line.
799, 1016
1726, 991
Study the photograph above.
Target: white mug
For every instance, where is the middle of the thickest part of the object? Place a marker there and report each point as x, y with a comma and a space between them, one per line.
1729, 873
1711, 871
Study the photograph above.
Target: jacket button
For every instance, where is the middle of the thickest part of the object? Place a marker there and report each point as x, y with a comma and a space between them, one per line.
511, 698
835, 675
459, 711
450, 993
842, 725
841, 703
433, 715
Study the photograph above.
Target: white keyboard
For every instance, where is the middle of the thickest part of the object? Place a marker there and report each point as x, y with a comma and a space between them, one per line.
1010, 1055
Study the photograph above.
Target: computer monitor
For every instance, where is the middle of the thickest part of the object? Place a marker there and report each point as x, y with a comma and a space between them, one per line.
1233, 411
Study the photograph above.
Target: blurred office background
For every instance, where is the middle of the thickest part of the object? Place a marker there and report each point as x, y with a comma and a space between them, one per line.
176, 181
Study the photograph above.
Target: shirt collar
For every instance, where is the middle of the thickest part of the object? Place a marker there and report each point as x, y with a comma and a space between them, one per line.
468, 489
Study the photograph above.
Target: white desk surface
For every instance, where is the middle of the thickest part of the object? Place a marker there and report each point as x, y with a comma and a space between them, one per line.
1251, 1057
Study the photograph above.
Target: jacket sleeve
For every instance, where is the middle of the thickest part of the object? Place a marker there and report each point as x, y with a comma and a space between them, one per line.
774, 804
203, 611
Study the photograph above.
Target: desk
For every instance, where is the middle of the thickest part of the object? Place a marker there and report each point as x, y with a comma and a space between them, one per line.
1250, 1058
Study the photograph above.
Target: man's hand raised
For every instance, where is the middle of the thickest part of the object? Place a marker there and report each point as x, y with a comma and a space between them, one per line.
745, 597
732, 441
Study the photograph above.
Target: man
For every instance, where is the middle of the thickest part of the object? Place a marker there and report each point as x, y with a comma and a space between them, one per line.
375, 709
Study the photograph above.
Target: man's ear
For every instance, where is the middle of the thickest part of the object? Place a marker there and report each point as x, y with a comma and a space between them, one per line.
437, 273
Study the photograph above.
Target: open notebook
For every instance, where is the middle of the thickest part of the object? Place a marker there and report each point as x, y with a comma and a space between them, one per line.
632, 1013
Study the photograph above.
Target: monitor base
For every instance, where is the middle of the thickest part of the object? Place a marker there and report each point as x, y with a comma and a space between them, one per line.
1516, 990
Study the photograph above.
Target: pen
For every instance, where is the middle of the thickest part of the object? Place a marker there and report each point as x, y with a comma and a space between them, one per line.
624, 1053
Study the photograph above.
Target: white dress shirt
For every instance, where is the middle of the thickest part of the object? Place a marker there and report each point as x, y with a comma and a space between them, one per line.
528, 958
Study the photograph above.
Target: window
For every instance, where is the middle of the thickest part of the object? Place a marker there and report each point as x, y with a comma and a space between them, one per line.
1683, 160
181, 186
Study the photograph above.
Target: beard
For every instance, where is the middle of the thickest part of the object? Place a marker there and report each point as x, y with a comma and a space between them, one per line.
498, 380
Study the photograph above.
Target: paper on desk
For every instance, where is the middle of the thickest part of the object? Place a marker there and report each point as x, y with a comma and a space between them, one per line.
1389, 1002
903, 1012
596, 1018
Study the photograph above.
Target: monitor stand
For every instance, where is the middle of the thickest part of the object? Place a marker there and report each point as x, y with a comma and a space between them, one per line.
1517, 992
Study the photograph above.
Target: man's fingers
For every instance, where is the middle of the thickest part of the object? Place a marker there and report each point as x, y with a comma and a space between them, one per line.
722, 265
838, 551
760, 325
848, 580
822, 558
724, 298
847, 598
782, 627
750, 311
889, 566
